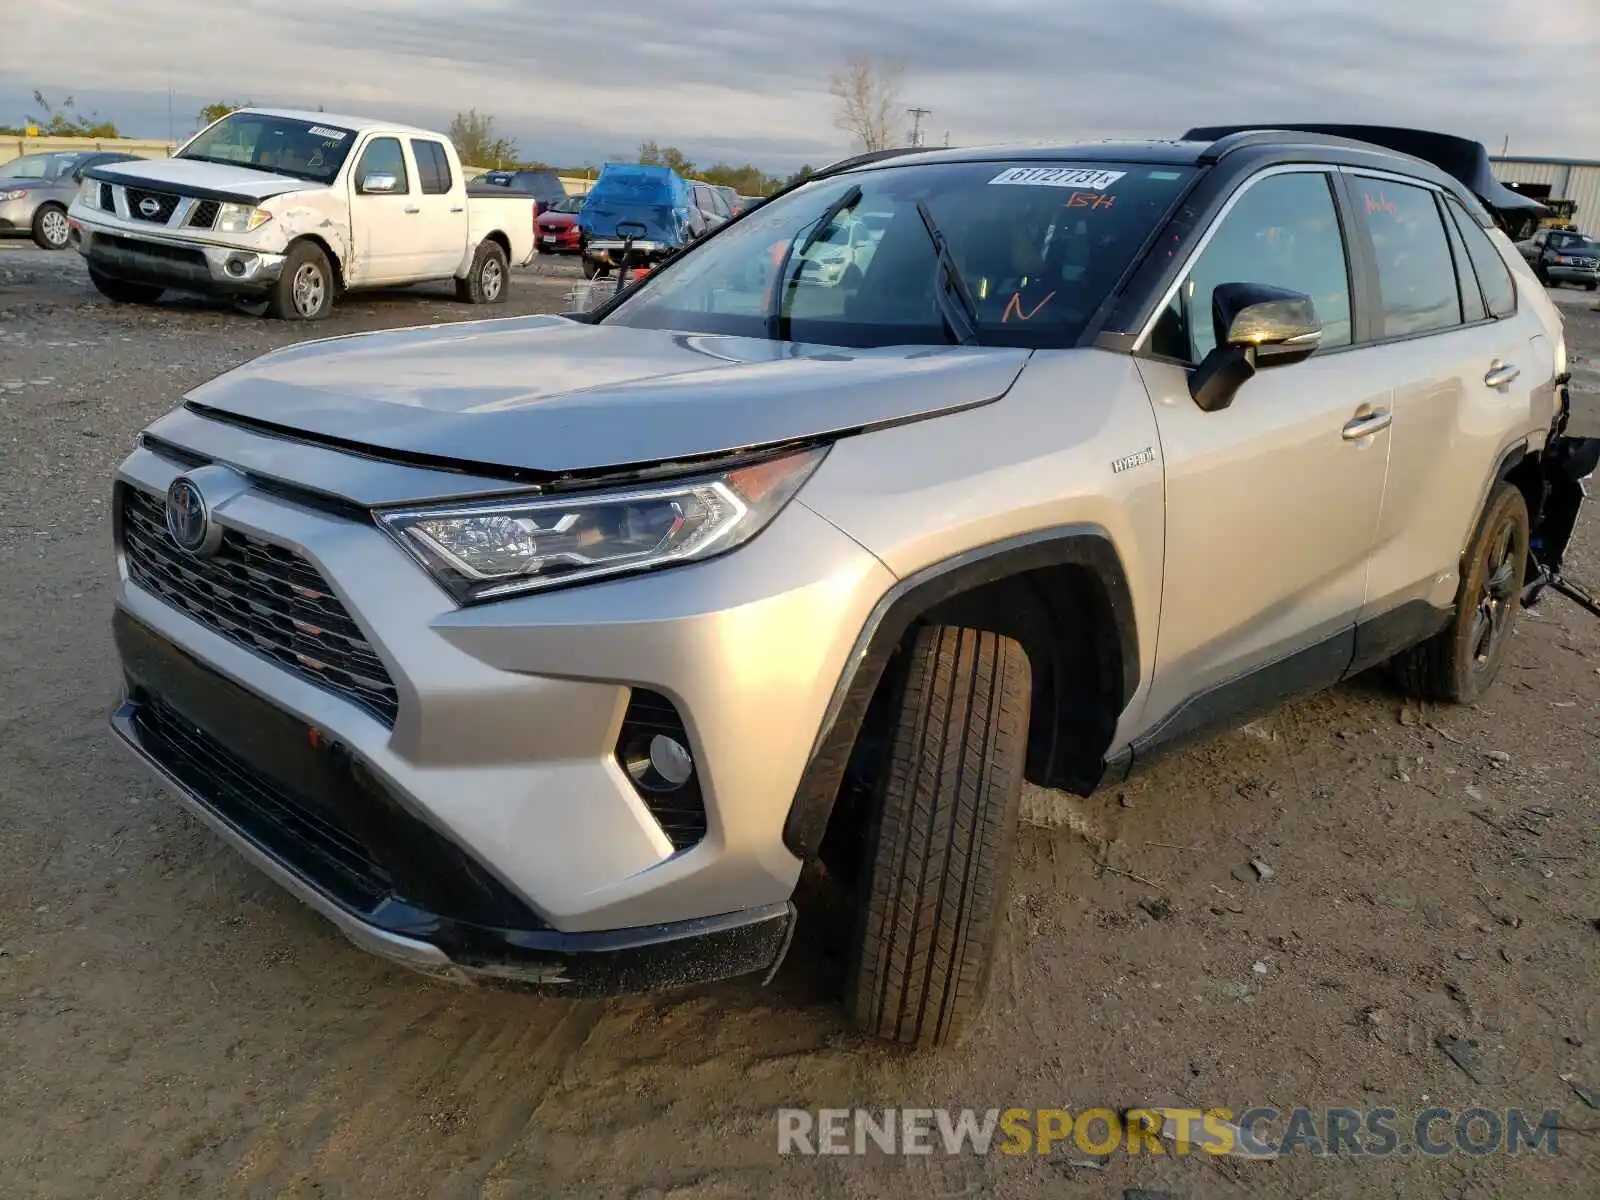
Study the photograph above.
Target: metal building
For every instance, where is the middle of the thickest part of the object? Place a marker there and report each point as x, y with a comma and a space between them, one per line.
1567, 178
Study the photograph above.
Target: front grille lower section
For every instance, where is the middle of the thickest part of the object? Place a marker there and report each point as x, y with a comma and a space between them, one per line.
263, 596
269, 813
204, 214
155, 207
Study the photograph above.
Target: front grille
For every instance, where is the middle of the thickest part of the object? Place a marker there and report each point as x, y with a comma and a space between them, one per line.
163, 205
263, 596
204, 215
108, 199
292, 829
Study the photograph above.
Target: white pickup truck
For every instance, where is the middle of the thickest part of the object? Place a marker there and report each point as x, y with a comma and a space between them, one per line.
293, 208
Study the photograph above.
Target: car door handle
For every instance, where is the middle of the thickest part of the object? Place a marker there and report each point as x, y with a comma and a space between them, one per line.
413, 211
1365, 424
458, 209
1500, 374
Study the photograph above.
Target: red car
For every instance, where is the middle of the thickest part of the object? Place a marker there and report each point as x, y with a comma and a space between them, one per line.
557, 227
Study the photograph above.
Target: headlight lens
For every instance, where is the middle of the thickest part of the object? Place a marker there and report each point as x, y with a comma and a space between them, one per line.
89, 193
485, 551
14, 194
241, 218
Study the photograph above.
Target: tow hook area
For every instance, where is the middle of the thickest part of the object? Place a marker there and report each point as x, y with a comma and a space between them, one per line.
1568, 467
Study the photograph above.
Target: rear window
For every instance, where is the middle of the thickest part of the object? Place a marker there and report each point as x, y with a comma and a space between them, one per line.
1039, 246
1494, 277
1416, 275
433, 167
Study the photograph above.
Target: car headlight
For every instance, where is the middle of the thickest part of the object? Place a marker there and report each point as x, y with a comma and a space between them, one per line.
14, 194
241, 218
89, 193
499, 548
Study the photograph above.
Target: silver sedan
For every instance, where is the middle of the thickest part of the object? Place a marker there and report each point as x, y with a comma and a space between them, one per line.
36, 189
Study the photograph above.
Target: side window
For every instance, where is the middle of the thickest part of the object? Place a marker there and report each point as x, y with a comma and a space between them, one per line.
383, 156
1494, 277
433, 167
1416, 277
1472, 308
1283, 231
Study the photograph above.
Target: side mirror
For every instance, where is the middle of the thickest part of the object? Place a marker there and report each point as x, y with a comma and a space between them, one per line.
1256, 326
378, 183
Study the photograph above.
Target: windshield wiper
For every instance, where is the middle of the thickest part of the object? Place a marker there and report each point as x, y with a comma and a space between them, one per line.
776, 322
960, 313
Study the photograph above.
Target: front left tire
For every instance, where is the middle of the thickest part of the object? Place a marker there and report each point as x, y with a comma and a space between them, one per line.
50, 228
305, 290
941, 833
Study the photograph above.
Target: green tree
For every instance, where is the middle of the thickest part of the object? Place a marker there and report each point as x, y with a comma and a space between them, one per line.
666, 156
220, 109
800, 176
477, 144
748, 180
64, 120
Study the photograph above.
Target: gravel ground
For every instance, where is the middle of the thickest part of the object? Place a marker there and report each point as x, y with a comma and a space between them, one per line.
172, 1025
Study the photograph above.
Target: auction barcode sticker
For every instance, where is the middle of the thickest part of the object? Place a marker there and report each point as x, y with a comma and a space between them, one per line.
1061, 177
337, 135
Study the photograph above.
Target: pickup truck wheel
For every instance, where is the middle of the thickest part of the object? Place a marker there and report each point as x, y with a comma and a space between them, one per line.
1459, 663
486, 281
122, 291
940, 837
50, 228
304, 291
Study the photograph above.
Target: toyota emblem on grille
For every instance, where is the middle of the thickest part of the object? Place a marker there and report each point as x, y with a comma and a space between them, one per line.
188, 519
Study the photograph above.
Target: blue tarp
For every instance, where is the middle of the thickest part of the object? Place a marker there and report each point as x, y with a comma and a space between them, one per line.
655, 197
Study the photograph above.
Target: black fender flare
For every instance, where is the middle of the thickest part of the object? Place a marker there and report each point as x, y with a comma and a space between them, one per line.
1087, 546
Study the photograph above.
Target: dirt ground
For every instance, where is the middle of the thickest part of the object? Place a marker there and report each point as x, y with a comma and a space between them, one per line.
173, 1025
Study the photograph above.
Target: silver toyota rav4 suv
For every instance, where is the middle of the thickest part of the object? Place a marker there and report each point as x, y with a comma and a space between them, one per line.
550, 649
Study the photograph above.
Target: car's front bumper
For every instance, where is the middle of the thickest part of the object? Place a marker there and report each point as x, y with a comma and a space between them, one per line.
501, 762
1564, 273
180, 263
225, 732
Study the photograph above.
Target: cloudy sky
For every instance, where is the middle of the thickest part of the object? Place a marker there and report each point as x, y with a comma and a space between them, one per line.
746, 79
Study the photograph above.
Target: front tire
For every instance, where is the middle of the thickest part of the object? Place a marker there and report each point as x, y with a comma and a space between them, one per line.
1458, 664
305, 289
122, 291
50, 228
487, 279
940, 838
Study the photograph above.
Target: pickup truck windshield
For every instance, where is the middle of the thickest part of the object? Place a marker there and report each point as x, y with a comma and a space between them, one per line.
282, 145
1038, 245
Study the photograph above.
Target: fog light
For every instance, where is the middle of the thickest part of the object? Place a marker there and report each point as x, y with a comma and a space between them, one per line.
236, 266
653, 751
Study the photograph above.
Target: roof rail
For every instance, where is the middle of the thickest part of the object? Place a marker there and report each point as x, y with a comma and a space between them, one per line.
862, 160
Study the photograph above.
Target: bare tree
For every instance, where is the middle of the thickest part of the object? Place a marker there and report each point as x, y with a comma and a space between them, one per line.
867, 95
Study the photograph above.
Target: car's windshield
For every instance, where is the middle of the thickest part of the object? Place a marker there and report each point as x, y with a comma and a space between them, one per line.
1576, 243
568, 204
39, 166
1039, 245
282, 145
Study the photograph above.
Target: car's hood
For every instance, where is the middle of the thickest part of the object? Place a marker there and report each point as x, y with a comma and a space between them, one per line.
551, 395
191, 176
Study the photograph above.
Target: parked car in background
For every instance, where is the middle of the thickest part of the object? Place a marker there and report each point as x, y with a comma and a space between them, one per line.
746, 203
1562, 256
558, 226
37, 189
712, 205
294, 208
544, 186
651, 204
730, 197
